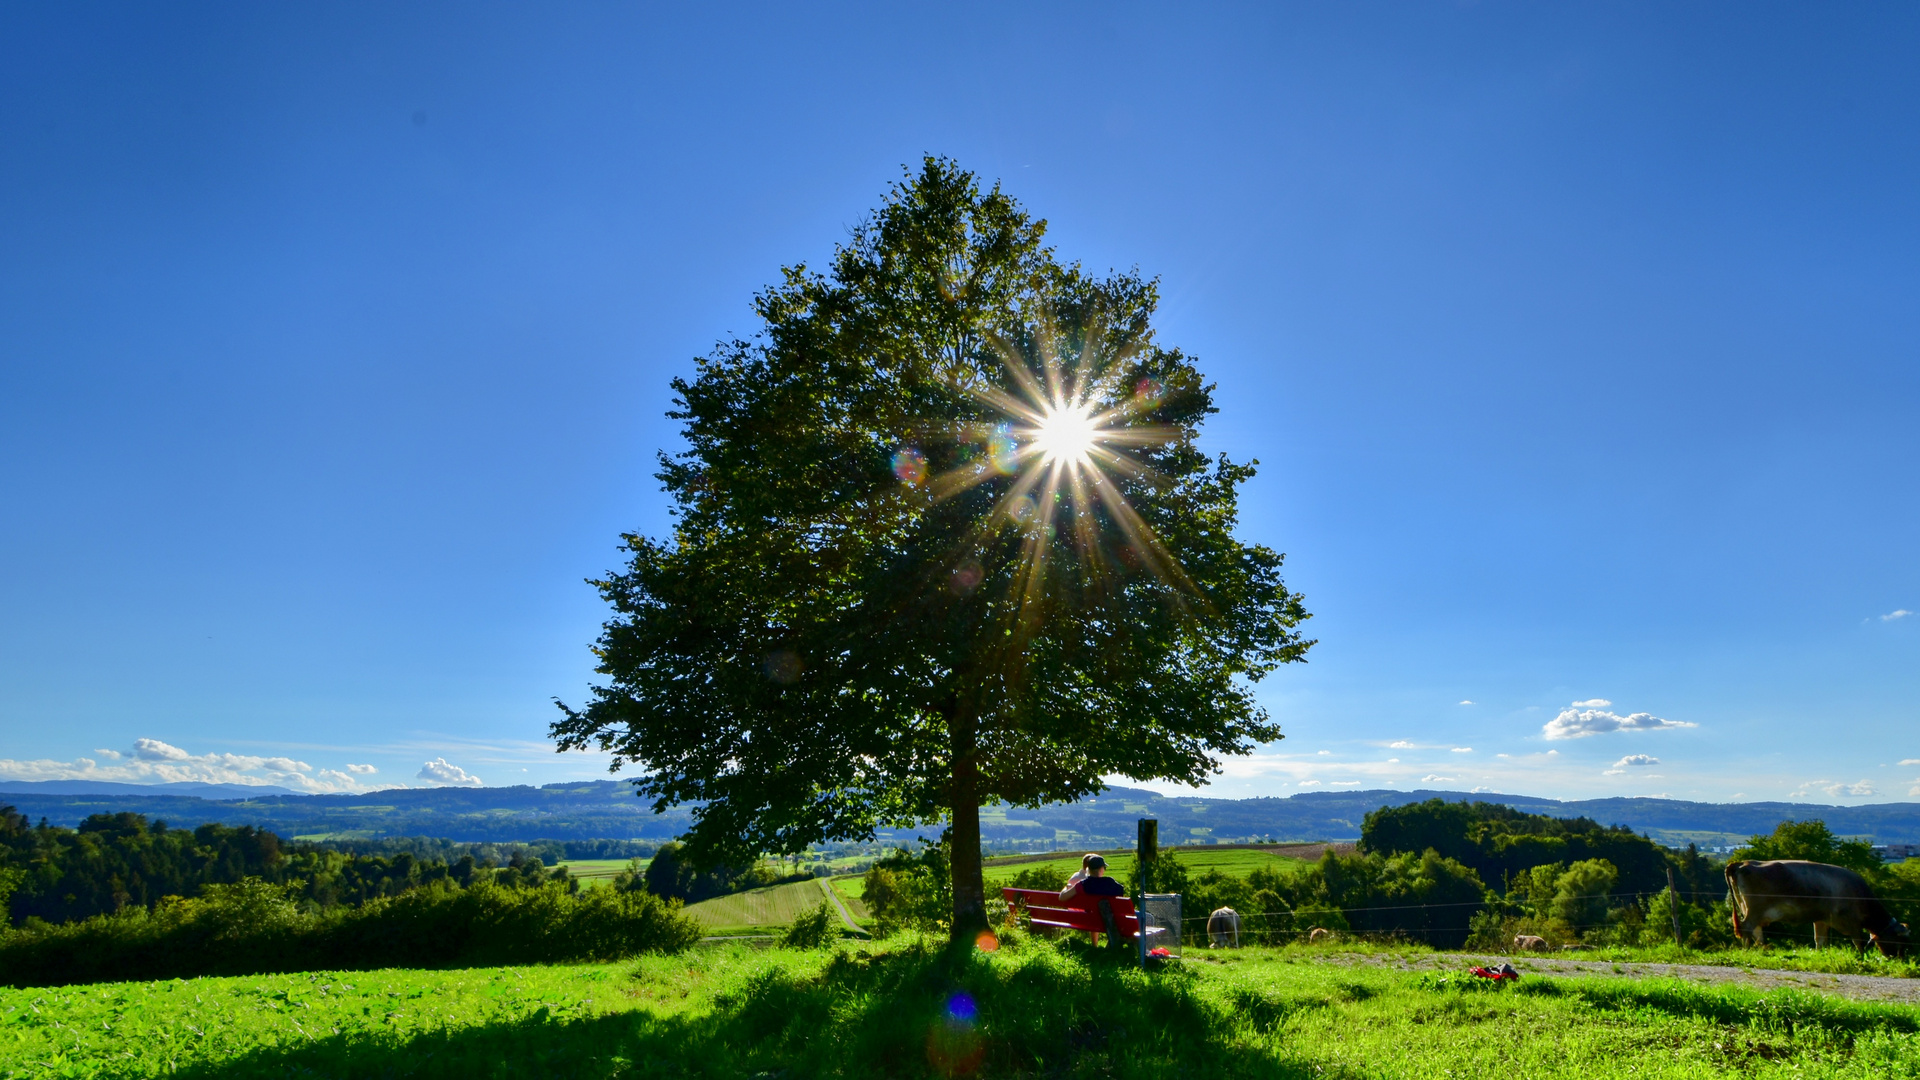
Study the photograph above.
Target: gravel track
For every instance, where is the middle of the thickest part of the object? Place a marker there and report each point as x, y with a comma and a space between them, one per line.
1859, 987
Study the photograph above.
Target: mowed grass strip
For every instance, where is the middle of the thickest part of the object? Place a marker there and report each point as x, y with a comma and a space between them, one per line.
1233, 862
772, 906
910, 1008
595, 872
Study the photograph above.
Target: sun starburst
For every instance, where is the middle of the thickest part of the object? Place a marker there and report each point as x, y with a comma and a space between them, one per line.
1072, 409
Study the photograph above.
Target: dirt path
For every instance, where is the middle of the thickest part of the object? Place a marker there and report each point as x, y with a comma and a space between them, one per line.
1860, 987
839, 905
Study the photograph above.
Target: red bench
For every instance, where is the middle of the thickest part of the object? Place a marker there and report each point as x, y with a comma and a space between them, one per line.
1046, 909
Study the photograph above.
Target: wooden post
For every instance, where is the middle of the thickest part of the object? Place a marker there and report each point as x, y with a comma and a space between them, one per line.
1673, 907
1146, 850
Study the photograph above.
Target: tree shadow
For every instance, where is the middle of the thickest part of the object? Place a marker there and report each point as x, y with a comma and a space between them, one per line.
910, 1013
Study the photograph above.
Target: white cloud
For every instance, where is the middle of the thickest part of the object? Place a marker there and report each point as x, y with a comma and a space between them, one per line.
1910, 761
1611, 772
1466, 703
1463, 750
1553, 753
1309, 783
1432, 779
1914, 792
1344, 783
153, 761
1578, 722
1393, 761
440, 771
1636, 759
1892, 615
1503, 755
1480, 791
1323, 753
1592, 703
1833, 790
155, 750
1400, 744
362, 770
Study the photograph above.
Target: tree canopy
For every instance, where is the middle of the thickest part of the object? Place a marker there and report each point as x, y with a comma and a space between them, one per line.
943, 536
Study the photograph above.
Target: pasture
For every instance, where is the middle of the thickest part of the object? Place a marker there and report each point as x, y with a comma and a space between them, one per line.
596, 872
1233, 862
768, 910
908, 1008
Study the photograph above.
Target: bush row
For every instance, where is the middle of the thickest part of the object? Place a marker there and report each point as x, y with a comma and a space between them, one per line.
254, 927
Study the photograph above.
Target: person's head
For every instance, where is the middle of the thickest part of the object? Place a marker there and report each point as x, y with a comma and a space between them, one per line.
1095, 865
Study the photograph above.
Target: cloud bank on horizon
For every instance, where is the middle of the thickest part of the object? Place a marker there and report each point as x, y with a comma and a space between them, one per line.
155, 761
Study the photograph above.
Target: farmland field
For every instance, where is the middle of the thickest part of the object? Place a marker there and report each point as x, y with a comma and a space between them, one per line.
772, 906
908, 1008
1234, 862
593, 872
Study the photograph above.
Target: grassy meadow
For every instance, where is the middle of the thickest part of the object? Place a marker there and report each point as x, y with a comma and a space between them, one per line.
766, 910
910, 1008
1233, 862
596, 872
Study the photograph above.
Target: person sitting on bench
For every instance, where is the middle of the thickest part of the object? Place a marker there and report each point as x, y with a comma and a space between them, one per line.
1096, 883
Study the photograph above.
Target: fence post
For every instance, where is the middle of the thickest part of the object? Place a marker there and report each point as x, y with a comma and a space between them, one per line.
1146, 850
1673, 907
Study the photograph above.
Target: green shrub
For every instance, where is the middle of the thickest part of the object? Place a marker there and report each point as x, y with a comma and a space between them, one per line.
1041, 876
910, 890
253, 927
812, 930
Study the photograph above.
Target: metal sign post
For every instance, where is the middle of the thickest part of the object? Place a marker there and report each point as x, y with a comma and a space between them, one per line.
1146, 850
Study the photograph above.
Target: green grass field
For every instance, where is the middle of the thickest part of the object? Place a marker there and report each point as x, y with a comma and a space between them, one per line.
907, 1008
595, 872
1234, 862
768, 909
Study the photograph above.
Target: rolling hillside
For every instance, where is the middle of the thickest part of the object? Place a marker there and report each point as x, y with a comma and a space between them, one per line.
607, 809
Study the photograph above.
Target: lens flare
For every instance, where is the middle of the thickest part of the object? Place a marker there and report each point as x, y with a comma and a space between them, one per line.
1066, 435
954, 1047
1066, 416
910, 466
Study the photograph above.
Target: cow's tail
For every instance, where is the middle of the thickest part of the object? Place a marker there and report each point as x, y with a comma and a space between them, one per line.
1733, 900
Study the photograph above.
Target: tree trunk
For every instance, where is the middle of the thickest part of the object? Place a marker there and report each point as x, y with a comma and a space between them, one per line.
969, 887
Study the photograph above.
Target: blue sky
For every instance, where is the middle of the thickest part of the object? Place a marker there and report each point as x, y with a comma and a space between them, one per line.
1578, 344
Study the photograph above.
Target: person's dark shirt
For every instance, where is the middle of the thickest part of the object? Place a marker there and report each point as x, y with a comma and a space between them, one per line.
1101, 886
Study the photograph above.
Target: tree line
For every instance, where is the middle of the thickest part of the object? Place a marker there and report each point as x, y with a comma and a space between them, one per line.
113, 862
1450, 874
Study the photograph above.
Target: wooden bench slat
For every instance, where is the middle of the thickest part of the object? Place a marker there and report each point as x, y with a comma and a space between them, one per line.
1045, 909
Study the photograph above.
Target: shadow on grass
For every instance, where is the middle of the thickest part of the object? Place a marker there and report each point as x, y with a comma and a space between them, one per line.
905, 1014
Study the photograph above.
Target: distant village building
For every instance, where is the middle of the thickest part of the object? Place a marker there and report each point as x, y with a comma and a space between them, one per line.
1896, 852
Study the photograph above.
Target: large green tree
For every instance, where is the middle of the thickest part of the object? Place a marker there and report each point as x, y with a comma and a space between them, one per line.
943, 537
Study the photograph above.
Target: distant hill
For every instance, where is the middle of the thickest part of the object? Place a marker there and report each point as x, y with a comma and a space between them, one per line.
195, 788
607, 809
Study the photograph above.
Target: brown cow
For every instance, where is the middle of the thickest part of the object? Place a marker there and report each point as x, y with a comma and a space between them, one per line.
1530, 943
1797, 891
1223, 928
1319, 934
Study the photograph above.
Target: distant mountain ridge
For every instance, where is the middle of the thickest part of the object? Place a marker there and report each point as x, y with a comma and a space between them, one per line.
197, 788
607, 809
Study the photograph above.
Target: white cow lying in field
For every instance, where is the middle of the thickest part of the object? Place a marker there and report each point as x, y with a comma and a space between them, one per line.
1797, 891
1223, 928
